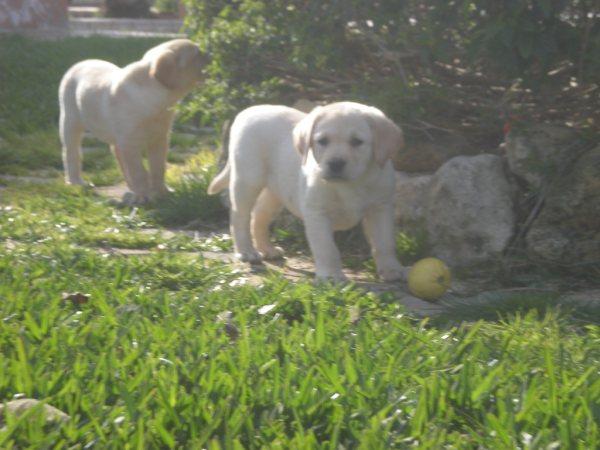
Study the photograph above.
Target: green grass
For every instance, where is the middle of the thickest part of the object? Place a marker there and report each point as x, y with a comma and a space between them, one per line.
150, 362
189, 202
146, 363
38, 149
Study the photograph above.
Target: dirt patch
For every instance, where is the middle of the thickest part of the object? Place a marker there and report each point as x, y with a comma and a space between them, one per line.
114, 192
299, 267
27, 179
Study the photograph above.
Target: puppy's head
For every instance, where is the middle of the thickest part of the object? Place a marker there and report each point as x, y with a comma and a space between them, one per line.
177, 64
346, 138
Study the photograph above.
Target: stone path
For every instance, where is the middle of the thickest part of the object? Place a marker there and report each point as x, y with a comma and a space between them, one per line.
294, 268
300, 267
27, 179
476, 292
85, 20
114, 192
117, 28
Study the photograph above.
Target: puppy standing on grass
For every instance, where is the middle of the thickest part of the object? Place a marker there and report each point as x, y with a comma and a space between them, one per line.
330, 167
130, 109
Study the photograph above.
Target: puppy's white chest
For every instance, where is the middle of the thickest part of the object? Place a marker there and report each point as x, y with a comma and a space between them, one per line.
343, 219
344, 208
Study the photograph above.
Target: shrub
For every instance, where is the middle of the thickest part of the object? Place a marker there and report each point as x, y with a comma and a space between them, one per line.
388, 52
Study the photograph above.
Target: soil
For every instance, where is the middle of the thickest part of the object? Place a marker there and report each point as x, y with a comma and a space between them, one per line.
473, 290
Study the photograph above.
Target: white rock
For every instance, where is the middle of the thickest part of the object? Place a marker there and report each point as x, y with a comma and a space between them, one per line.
567, 229
469, 210
411, 192
22, 405
538, 151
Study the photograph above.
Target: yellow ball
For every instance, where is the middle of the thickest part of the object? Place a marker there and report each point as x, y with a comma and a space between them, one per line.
429, 278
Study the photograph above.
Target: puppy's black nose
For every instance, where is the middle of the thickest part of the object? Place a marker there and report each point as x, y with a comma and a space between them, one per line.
336, 165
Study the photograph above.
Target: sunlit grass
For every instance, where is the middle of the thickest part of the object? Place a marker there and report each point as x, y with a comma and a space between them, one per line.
189, 201
173, 350
147, 363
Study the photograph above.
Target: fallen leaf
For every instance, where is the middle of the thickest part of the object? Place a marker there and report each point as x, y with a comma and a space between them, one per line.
354, 314
231, 331
77, 298
226, 317
265, 309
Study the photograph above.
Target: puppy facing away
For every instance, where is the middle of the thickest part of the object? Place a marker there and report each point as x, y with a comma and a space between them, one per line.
331, 168
130, 109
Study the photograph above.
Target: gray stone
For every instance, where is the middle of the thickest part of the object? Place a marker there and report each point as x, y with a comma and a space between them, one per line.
537, 152
35, 18
567, 229
121, 28
21, 406
469, 210
27, 179
411, 192
115, 192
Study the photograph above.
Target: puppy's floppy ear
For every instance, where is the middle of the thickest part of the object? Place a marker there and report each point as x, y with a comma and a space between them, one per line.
302, 133
387, 137
164, 69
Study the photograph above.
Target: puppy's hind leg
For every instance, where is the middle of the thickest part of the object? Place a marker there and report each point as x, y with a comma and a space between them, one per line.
158, 147
243, 197
71, 132
157, 162
117, 152
130, 158
266, 208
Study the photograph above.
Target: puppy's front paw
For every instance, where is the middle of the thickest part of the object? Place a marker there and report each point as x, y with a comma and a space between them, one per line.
271, 253
331, 277
252, 257
394, 273
161, 192
79, 182
133, 199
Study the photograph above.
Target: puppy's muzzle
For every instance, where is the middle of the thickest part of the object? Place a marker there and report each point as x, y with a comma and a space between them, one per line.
335, 168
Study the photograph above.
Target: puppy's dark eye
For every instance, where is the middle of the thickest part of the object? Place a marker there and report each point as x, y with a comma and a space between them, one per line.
323, 142
356, 142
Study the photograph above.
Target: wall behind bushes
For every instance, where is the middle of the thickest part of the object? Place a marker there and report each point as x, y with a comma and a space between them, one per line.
22, 15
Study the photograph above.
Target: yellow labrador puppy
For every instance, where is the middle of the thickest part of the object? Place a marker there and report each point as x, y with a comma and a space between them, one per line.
330, 167
129, 108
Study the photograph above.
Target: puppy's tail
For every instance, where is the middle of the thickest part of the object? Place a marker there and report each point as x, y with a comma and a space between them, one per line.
221, 181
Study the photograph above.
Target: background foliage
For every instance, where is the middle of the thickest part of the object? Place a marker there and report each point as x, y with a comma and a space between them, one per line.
414, 58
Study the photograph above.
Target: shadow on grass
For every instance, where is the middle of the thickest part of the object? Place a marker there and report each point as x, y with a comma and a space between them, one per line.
503, 304
189, 202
